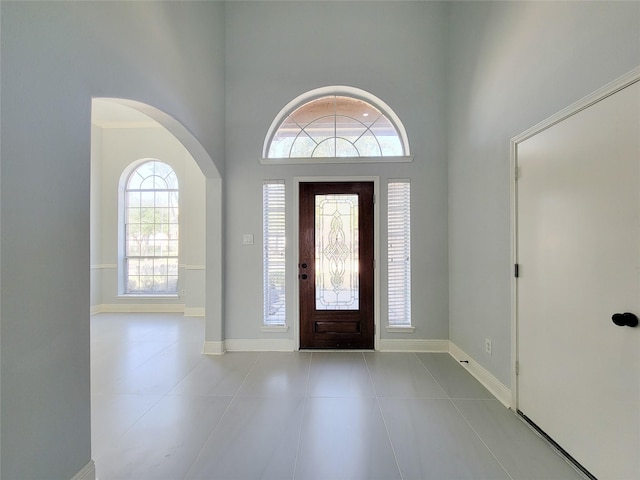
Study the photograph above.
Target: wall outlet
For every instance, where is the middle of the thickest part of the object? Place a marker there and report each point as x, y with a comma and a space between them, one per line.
247, 239
183, 292
487, 346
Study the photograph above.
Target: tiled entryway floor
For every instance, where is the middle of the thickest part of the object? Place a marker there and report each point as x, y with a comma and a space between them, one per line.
162, 410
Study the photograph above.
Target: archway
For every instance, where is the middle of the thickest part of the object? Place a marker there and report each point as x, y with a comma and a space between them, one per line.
213, 304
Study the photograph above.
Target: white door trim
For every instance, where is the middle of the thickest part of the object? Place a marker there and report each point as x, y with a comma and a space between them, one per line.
376, 248
615, 86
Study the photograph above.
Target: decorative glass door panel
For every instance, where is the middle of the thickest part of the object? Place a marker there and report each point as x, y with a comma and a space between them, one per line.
336, 265
336, 255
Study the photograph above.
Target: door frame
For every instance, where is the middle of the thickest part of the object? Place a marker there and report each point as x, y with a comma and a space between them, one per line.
611, 88
293, 273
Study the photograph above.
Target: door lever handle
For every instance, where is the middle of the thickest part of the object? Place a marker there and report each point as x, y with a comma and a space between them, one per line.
625, 319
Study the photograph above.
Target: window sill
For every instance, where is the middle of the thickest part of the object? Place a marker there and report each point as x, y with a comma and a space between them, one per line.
400, 329
274, 329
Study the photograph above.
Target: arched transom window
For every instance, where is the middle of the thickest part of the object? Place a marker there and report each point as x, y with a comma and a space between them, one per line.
336, 125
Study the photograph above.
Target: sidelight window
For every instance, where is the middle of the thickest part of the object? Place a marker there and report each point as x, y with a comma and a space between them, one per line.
399, 253
274, 243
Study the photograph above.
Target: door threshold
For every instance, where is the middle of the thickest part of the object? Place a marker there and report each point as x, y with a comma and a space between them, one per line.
561, 451
354, 350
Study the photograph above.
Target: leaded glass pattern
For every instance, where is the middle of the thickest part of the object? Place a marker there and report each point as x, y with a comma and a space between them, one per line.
151, 230
336, 126
336, 234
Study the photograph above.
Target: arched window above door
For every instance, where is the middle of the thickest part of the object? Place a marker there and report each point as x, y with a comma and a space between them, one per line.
336, 125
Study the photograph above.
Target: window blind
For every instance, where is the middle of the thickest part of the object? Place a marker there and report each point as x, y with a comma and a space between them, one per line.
274, 242
399, 252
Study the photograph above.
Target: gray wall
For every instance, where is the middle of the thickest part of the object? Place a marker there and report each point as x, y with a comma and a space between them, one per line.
512, 65
277, 51
55, 57
463, 77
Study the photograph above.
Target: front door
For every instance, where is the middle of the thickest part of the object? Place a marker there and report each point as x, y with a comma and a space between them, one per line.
336, 265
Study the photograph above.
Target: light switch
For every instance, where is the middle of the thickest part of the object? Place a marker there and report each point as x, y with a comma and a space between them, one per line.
247, 239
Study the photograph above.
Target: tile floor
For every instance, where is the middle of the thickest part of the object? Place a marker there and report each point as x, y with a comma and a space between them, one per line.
161, 410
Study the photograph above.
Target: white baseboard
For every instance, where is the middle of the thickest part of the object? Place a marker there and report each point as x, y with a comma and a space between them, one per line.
194, 311
94, 309
409, 345
491, 383
260, 345
88, 472
138, 308
213, 348
289, 345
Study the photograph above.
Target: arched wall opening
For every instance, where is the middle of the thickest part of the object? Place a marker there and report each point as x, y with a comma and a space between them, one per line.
129, 131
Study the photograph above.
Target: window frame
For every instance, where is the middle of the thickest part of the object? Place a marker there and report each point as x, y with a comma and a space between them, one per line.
126, 256
274, 233
399, 278
344, 91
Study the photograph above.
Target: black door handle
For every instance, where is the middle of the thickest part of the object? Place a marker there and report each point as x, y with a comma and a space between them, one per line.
625, 319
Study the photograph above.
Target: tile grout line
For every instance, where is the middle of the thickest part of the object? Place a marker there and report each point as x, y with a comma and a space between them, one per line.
304, 411
213, 429
117, 394
478, 435
384, 421
447, 396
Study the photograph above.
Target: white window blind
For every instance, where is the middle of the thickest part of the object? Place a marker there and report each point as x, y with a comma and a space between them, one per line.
273, 225
399, 253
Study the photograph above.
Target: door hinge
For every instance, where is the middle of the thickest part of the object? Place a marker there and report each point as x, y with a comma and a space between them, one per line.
516, 173
517, 367
516, 270
374, 199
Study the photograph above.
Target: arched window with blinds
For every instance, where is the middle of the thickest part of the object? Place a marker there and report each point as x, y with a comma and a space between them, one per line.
337, 124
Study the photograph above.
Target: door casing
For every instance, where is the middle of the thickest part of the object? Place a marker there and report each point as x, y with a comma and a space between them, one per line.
293, 272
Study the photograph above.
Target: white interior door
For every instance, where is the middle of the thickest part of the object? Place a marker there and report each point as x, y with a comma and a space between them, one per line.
578, 249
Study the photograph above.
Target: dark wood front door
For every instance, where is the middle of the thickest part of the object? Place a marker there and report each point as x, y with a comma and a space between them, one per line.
336, 265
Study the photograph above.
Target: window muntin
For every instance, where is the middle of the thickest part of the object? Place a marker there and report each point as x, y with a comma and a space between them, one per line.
336, 126
151, 230
399, 253
273, 259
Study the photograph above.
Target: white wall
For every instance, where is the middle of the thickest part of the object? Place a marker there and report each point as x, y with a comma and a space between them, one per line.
277, 51
119, 148
512, 65
55, 57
